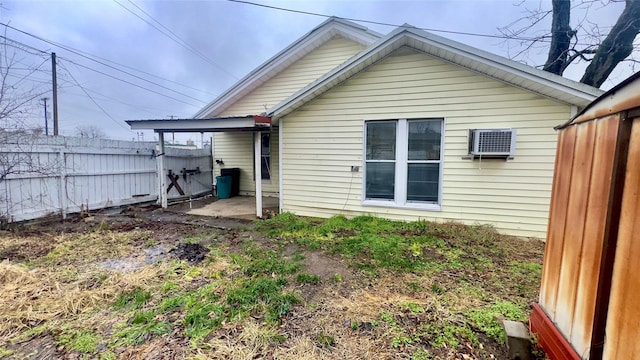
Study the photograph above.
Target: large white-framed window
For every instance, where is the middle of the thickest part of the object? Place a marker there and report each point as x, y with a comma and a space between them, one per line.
403, 163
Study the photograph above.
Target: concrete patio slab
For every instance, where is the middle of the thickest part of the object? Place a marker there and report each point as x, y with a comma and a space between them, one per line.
237, 207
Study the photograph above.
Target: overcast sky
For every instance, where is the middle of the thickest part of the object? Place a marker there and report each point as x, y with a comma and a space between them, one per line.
227, 39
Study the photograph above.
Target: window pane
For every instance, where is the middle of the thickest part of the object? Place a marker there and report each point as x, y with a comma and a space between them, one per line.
380, 180
424, 139
422, 182
266, 168
381, 140
265, 151
266, 145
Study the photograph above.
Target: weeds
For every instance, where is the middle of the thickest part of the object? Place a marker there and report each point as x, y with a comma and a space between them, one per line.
79, 340
134, 299
304, 278
426, 290
487, 319
140, 328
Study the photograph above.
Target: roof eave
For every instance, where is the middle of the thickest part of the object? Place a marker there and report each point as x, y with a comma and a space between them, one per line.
556, 87
221, 124
329, 28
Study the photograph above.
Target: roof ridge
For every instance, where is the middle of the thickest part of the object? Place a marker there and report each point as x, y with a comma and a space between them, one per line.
332, 23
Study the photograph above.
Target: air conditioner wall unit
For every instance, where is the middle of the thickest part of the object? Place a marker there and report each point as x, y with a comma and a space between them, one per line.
492, 142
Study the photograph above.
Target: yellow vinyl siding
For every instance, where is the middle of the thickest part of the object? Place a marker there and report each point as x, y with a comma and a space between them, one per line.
315, 64
324, 138
236, 149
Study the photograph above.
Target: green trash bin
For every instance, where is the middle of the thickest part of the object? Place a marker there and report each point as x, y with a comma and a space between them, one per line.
223, 184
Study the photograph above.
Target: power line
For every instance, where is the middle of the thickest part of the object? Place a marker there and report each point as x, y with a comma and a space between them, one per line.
504, 37
92, 99
173, 37
29, 74
183, 41
23, 46
90, 56
104, 97
130, 83
79, 53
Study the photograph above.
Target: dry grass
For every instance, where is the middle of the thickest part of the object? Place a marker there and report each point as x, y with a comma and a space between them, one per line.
33, 297
55, 288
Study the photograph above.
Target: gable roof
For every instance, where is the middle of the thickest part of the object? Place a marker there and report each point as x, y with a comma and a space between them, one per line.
497, 67
312, 40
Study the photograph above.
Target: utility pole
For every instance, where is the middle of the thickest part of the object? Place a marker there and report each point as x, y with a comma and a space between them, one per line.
46, 123
55, 94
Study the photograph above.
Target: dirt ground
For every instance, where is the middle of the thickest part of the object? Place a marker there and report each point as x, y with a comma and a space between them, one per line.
338, 316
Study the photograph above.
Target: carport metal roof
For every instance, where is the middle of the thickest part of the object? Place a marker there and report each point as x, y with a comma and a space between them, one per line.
217, 124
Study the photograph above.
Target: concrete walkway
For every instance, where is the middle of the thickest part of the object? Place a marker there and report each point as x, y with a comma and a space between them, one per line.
237, 207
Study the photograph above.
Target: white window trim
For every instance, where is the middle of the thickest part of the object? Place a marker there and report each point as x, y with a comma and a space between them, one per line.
400, 188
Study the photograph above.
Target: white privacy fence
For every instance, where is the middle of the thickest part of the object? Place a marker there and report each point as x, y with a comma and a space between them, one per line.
59, 175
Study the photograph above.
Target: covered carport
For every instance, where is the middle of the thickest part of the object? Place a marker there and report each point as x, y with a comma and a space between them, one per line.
250, 123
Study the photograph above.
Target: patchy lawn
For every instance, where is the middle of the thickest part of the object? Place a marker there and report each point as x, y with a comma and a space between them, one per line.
150, 285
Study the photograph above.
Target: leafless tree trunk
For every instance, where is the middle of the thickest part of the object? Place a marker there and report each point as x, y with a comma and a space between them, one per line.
616, 47
561, 37
583, 42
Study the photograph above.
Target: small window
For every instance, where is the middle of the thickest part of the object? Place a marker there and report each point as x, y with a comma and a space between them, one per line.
266, 156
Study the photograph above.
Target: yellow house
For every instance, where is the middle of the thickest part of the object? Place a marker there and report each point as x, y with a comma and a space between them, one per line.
407, 126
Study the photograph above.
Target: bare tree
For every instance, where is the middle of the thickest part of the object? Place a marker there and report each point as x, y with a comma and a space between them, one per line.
19, 96
582, 42
90, 131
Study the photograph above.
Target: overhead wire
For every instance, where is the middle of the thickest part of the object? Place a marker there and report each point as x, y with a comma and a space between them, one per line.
173, 37
89, 56
130, 83
67, 48
104, 97
92, 99
22, 78
504, 37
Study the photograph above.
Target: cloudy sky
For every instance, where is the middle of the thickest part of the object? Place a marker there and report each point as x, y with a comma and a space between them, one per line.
141, 73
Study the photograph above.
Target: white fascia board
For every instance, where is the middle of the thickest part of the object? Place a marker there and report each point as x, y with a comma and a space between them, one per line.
288, 55
193, 125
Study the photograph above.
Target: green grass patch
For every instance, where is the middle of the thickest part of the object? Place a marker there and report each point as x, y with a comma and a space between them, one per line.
488, 318
141, 327
5, 352
83, 341
444, 333
304, 278
325, 340
261, 294
134, 299
372, 243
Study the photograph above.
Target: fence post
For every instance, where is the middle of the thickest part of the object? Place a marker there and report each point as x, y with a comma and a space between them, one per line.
163, 177
62, 186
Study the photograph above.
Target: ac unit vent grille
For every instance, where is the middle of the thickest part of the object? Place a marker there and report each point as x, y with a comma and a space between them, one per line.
492, 142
